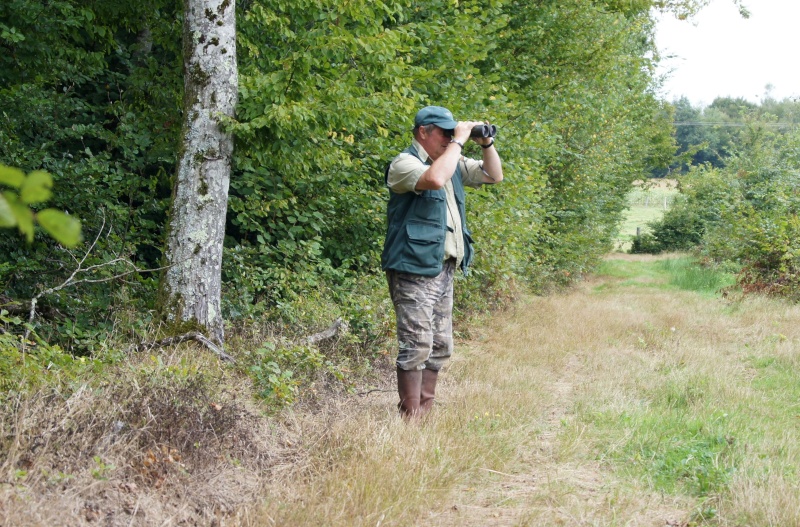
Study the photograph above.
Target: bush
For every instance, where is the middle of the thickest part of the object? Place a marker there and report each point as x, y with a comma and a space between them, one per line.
645, 243
680, 229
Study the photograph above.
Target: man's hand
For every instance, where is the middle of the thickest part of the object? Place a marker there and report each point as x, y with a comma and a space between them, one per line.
463, 131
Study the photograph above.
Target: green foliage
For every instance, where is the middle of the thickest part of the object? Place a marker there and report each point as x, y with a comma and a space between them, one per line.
27, 364
710, 135
645, 243
33, 189
680, 229
690, 275
745, 214
101, 468
676, 452
690, 463
92, 95
277, 371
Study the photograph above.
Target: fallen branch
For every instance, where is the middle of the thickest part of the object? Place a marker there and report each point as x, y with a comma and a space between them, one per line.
338, 326
178, 339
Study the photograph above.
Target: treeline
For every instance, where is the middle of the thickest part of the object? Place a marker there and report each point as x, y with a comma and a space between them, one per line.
739, 198
91, 92
711, 134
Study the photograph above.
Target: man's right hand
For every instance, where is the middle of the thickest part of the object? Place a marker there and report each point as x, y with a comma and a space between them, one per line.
463, 130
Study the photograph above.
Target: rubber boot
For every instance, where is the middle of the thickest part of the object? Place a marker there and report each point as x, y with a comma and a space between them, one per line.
409, 386
427, 390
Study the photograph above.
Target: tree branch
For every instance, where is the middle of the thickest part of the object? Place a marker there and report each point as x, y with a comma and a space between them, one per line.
338, 326
73, 280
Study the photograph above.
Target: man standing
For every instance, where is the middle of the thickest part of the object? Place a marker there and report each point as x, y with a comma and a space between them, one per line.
426, 240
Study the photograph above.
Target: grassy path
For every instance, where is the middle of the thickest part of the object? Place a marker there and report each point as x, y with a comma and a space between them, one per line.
629, 400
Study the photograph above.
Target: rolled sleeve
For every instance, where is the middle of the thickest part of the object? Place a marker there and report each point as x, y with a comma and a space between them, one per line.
472, 172
404, 173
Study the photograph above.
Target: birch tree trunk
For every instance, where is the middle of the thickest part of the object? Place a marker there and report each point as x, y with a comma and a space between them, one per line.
191, 287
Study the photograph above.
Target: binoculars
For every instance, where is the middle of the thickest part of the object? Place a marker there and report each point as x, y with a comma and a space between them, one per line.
483, 130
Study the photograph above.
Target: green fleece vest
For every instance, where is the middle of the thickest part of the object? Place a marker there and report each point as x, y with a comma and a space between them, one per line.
416, 228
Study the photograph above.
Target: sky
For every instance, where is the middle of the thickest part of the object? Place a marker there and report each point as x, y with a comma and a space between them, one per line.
719, 53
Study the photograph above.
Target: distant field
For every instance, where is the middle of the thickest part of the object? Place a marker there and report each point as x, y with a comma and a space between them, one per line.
645, 204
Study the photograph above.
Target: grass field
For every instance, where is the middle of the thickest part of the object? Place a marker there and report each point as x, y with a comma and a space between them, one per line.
646, 204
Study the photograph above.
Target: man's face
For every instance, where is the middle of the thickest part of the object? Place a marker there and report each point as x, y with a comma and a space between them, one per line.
435, 142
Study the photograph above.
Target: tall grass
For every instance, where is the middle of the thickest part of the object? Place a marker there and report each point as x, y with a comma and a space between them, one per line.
686, 274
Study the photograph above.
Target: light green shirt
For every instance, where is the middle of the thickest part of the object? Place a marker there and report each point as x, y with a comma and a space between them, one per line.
404, 173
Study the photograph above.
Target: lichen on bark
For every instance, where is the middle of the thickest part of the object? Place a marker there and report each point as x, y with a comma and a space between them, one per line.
191, 288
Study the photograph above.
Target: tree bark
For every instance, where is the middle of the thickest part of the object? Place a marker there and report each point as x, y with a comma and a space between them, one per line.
191, 288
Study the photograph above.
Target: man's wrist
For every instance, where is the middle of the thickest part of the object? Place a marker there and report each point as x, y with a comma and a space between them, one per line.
459, 143
489, 145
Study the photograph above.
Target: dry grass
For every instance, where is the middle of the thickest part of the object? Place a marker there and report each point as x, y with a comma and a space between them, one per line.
541, 420
153, 443
621, 402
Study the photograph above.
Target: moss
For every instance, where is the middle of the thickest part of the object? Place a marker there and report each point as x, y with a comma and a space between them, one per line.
203, 189
223, 6
200, 76
181, 327
210, 15
170, 307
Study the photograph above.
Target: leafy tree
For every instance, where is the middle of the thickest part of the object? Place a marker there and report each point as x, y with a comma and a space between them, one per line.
744, 214
327, 91
708, 135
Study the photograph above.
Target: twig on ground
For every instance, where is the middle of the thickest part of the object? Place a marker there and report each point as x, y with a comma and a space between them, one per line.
339, 326
192, 335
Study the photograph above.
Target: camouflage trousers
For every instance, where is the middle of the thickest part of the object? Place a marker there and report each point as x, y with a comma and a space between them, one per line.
423, 306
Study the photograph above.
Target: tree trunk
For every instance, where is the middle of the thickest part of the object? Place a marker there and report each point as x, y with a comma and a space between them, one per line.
191, 287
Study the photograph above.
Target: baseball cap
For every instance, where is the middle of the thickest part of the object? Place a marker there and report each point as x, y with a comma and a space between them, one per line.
437, 115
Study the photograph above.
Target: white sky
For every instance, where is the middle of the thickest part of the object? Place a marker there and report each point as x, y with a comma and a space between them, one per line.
719, 53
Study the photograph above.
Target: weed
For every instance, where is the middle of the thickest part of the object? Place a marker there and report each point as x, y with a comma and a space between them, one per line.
277, 370
101, 468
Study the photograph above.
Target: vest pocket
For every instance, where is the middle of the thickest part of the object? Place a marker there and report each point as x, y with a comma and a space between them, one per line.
425, 244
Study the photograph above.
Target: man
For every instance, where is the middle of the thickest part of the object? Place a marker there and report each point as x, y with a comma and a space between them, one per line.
426, 241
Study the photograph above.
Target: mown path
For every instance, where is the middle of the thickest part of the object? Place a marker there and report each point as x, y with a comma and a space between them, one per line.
627, 400
571, 339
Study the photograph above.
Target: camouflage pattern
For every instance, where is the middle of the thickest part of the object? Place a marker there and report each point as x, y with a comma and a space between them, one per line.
423, 306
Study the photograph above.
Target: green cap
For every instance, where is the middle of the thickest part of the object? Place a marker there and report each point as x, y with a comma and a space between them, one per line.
437, 115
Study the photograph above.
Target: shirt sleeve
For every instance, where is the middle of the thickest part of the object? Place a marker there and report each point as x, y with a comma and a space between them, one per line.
404, 173
472, 172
